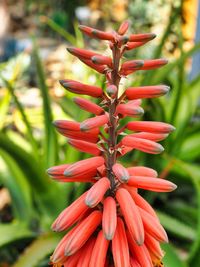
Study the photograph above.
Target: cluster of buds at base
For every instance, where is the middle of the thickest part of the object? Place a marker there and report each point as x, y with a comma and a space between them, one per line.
111, 224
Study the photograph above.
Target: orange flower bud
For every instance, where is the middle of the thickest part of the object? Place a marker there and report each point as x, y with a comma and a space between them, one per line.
134, 263
120, 249
142, 171
156, 137
146, 91
144, 37
99, 252
84, 146
94, 122
109, 221
150, 126
89, 106
97, 192
153, 227
152, 184
82, 233
123, 27
153, 246
96, 33
83, 166
141, 202
131, 215
70, 215
84, 259
80, 88
142, 145
139, 252
121, 173
57, 173
72, 260
130, 110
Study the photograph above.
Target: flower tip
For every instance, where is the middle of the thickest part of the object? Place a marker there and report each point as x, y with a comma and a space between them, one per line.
63, 82
70, 49
153, 36
67, 173
173, 186
166, 89
49, 171
108, 236
83, 127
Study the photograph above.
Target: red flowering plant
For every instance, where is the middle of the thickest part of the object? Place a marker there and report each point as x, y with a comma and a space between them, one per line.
111, 224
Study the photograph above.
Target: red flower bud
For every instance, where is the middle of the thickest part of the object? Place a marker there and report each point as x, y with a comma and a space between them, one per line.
81, 53
154, 64
84, 259
152, 184
142, 145
140, 252
134, 263
96, 33
94, 122
120, 172
132, 65
67, 125
133, 45
71, 214
142, 171
123, 27
102, 60
57, 173
80, 88
83, 166
85, 146
97, 192
150, 136
146, 91
99, 252
89, 106
144, 37
109, 221
131, 215
120, 249
153, 227
111, 90
153, 246
82, 233
150, 126
99, 68
130, 110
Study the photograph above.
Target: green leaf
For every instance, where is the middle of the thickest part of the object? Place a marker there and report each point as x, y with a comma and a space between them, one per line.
190, 148
11, 232
4, 106
176, 227
15, 181
171, 258
57, 28
50, 138
37, 251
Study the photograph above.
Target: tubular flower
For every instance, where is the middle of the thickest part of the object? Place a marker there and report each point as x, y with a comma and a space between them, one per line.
111, 224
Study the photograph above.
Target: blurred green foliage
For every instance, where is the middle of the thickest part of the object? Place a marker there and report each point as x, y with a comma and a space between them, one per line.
27, 239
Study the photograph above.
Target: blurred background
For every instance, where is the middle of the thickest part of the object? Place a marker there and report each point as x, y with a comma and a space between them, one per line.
33, 57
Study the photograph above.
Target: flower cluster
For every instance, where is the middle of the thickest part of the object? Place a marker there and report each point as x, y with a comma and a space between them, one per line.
111, 224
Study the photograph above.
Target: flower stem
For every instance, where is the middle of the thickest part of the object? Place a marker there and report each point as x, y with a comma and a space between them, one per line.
112, 139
